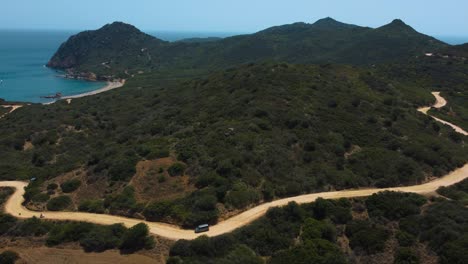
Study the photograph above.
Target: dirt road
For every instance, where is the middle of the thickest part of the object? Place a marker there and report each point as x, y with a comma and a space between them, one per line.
441, 102
13, 108
15, 208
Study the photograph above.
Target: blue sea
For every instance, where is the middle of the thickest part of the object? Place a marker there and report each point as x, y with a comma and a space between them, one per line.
23, 54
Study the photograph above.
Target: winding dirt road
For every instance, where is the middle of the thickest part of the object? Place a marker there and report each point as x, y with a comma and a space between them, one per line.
441, 102
14, 206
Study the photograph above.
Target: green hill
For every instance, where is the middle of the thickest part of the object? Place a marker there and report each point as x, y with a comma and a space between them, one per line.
119, 48
240, 136
111, 49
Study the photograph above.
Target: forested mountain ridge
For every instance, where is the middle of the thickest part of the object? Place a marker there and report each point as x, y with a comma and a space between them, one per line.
121, 50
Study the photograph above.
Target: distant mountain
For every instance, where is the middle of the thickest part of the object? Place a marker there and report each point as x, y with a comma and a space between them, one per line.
118, 48
195, 40
114, 45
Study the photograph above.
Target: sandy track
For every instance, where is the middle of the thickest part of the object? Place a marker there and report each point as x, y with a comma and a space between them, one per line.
441, 102
13, 108
14, 206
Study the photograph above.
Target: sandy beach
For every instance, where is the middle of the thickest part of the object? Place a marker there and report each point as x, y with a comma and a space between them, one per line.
108, 87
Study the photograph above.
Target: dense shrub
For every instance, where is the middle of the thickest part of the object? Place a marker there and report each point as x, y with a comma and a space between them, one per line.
242, 195
102, 238
8, 257
32, 227
70, 186
406, 256
67, 232
176, 169
6, 222
92, 206
394, 205
136, 238
59, 203
156, 211
364, 236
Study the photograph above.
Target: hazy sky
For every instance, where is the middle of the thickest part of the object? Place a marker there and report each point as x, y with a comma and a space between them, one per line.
435, 17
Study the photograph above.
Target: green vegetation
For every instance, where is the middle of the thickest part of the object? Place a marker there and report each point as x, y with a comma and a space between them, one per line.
59, 203
91, 237
245, 135
136, 238
457, 192
8, 257
406, 256
260, 131
111, 54
92, 206
310, 233
70, 186
176, 169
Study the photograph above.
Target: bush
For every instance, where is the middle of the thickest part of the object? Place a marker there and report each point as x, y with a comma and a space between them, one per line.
136, 238
68, 232
59, 203
102, 238
6, 222
8, 257
406, 256
70, 186
40, 197
52, 186
365, 236
122, 202
156, 211
92, 206
176, 169
315, 229
32, 227
394, 205
241, 196
405, 239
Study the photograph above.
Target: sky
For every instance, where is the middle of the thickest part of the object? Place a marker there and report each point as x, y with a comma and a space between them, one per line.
441, 18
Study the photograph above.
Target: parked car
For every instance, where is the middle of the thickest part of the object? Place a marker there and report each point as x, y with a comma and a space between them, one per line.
202, 228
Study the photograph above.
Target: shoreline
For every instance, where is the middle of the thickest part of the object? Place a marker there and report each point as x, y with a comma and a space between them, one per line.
109, 86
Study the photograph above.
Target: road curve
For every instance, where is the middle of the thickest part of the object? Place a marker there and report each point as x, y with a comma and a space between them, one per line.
13, 108
441, 102
14, 207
